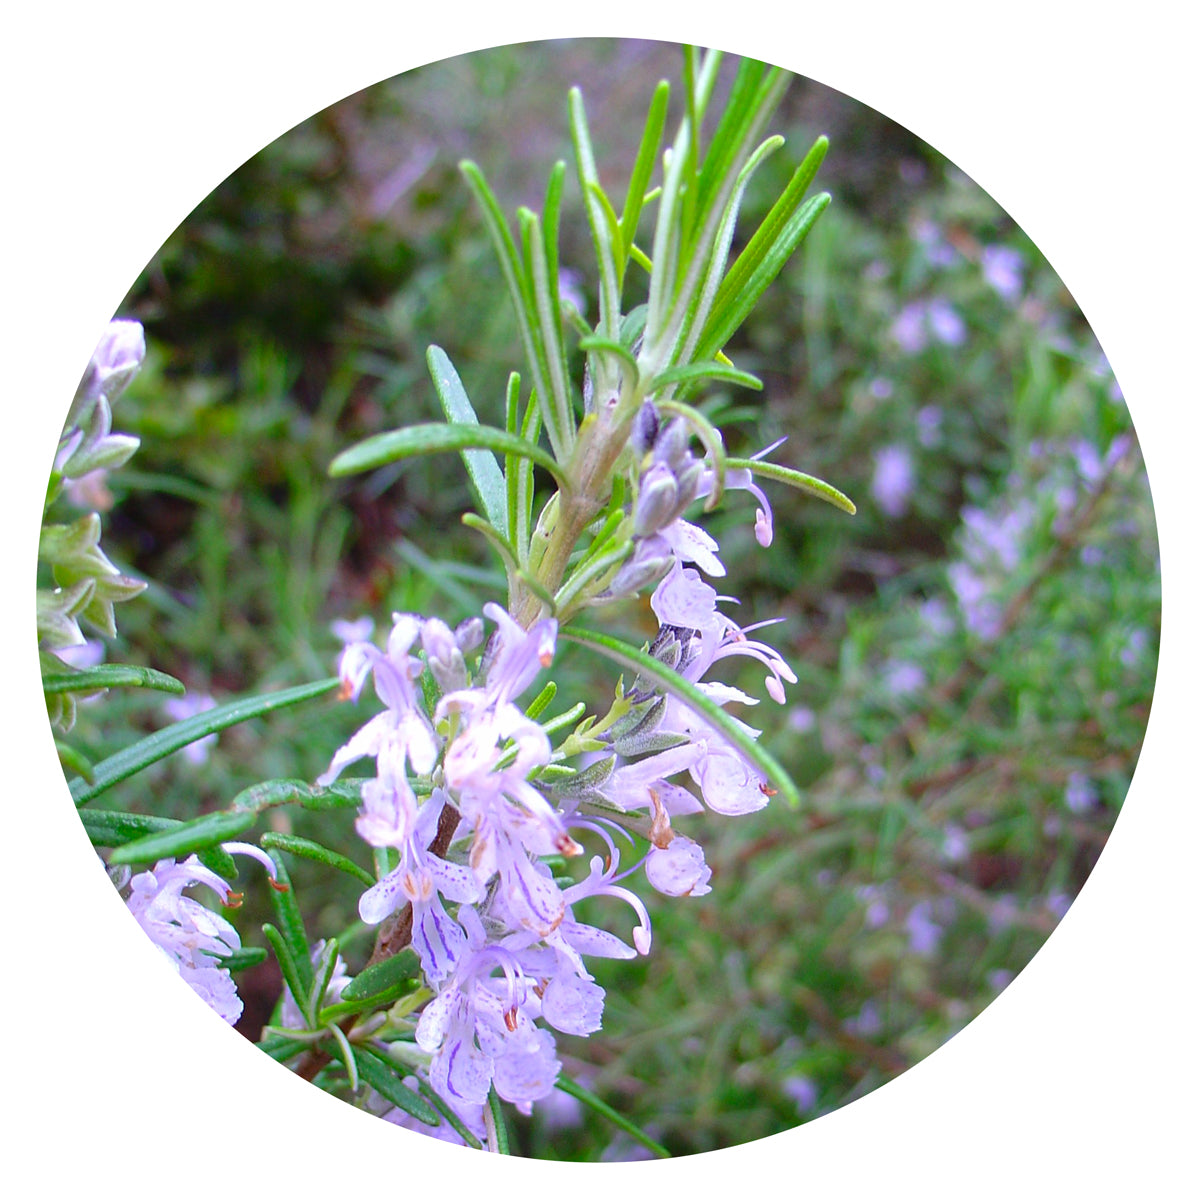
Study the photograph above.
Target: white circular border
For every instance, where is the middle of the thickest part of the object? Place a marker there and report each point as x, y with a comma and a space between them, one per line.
119, 120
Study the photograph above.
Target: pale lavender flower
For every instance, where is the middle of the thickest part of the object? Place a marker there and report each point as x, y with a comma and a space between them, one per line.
929, 425
877, 911
801, 1091
938, 251
936, 618
1002, 269
866, 1022
955, 846
901, 678
358, 630
893, 480
1136, 645
980, 611
1058, 902
192, 937
678, 869
801, 719
421, 879
1081, 794
880, 388
924, 934
910, 329
398, 736
945, 323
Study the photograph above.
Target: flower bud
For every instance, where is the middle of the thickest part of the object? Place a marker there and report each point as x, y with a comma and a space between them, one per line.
658, 496
115, 361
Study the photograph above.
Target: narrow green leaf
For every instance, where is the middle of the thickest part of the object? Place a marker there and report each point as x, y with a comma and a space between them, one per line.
448, 1115
281, 1048
342, 793
290, 919
385, 448
498, 1122
158, 745
731, 307
547, 307
114, 675
521, 294
304, 848
383, 977
379, 1073
289, 966
704, 370
541, 701
625, 360
565, 1084
118, 828
74, 760
512, 424
672, 682
643, 166
200, 834
241, 960
797, 479
486, 479
608, 256
766, 236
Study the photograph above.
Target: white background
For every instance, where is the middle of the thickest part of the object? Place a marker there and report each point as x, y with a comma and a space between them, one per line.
1079, 1079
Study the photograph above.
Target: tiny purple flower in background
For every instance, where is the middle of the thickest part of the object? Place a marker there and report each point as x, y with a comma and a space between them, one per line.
981, 613
179, 708
877, 911
1003, 913
893, 480
938, 251
924, 934
946, 324
1002, 270
880, 388
801, 1091
909, 330
1135, 646
866, 1022
936, 618
1080, 795
955, 846
902, 678
1058, 902
999, 978
929, 425
802, 720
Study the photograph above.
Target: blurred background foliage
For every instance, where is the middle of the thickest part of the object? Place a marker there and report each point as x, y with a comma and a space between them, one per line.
976, 648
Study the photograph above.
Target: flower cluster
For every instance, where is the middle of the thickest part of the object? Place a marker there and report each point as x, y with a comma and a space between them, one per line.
478, 804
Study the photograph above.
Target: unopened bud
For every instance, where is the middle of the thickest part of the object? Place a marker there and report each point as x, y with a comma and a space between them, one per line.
658, 497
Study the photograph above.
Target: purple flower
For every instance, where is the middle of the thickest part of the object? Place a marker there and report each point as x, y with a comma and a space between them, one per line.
893, 480
421, 879
1080, 795
1002, 270
678, 869
924, 934
398, 736
191, 936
